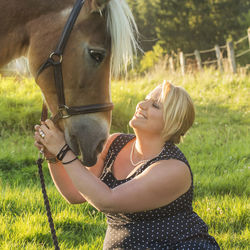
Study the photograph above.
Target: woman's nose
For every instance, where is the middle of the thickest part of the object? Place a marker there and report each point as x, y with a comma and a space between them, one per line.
142, 104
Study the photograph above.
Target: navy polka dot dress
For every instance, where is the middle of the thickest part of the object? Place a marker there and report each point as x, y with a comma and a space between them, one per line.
174, 226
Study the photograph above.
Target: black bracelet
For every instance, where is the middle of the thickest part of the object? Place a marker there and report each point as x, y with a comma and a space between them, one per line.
68, 162
63, 152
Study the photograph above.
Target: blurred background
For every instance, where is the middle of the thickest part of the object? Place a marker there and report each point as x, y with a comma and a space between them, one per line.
201, 45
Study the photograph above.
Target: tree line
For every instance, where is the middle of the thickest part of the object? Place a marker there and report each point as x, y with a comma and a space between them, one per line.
189, 24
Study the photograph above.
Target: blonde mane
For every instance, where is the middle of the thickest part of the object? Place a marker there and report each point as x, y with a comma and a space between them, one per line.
124, 33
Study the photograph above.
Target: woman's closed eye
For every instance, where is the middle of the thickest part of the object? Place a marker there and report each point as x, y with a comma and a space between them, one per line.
155, 104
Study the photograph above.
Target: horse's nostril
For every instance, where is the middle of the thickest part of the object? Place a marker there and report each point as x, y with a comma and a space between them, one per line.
100, 146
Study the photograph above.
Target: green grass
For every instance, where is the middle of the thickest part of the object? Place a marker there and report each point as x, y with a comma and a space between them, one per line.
217, 147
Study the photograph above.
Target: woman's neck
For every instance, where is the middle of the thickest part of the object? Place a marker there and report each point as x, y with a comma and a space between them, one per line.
147, 146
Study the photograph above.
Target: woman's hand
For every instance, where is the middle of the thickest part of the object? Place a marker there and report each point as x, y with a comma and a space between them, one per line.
49, 138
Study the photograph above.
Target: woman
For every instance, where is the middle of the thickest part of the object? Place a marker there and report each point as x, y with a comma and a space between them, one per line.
142, 182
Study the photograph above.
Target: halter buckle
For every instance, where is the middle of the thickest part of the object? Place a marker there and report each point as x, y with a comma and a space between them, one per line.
63, 112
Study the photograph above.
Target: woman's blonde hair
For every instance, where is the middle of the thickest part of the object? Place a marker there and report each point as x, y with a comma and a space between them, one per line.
178, 112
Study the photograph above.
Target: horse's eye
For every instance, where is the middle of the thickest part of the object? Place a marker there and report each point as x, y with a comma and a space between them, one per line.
98, 56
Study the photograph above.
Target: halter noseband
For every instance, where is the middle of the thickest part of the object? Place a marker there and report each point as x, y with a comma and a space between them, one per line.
55, 60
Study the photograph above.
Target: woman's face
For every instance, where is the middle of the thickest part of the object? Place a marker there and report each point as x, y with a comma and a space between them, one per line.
149, 113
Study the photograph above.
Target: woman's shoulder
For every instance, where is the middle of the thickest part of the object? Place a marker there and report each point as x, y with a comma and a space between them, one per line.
172, 151
108, 143
171, 173
115, 143
111, 139
118, 137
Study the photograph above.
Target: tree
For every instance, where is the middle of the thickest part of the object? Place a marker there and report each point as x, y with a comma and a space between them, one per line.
144, 12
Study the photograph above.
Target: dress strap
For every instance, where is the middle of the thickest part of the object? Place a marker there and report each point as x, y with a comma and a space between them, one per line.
119, 142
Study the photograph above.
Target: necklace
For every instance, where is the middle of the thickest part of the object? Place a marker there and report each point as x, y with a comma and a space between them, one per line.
131, 157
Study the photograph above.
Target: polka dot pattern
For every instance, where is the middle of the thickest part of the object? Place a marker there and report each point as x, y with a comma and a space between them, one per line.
174, 226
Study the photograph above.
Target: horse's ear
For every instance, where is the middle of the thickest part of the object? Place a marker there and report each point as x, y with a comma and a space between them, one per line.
97, 5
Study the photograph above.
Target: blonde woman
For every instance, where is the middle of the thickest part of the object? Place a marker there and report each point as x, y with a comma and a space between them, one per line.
141, 181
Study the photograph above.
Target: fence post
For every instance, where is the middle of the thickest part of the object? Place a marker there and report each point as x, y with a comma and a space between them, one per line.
248, 31
219, 58
231, 56
182, 62
198, 59
171, 64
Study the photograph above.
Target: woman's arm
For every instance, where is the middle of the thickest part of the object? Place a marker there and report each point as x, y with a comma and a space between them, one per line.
159, 185
64, 184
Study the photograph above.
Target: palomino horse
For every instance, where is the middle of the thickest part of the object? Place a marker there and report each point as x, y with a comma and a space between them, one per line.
102, 41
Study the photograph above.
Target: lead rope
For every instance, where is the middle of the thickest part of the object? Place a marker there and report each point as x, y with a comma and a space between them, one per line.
45, 196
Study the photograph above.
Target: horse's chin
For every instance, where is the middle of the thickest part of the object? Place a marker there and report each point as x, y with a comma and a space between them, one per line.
86, 136
89, 162
86, 158
89, 159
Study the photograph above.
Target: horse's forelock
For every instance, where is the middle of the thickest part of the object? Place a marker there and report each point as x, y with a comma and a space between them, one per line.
123, 31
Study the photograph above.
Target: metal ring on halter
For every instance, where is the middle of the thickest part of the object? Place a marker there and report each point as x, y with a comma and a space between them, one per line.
59, 57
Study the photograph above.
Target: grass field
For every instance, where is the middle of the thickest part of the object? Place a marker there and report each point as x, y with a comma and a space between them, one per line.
217, 147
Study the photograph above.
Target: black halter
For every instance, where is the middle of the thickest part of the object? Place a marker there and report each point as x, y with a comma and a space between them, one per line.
55, 59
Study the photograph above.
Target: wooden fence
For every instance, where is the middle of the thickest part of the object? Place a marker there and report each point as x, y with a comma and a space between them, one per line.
222, 63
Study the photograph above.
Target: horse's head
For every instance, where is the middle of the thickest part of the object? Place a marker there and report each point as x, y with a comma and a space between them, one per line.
86, 64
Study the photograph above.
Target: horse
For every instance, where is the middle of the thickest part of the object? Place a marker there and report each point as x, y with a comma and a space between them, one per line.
101, 44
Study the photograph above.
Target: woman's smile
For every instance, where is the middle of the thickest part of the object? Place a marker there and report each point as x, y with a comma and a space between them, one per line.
138, 114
